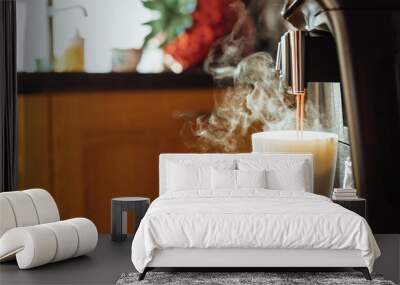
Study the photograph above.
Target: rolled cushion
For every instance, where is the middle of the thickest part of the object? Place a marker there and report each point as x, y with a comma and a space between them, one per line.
37, 245
87, 235
33, 246
45, 205
66, 238
26, 208
7, 218
23, 208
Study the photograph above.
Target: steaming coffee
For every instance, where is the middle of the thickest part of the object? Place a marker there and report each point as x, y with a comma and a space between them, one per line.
300, 113
322, 145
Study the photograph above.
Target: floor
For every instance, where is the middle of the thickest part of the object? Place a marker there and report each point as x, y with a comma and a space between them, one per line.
388, 264
103, 266
111, 259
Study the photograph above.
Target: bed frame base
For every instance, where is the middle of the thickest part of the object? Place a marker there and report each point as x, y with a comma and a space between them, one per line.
363, 270
250, 259
143, 274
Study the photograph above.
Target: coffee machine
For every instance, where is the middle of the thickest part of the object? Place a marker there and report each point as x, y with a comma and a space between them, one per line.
356, 43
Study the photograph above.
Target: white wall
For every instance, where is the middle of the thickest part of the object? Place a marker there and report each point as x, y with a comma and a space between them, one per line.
32, 34
110, 24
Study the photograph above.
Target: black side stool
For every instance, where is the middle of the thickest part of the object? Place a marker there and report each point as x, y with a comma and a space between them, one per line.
357, 205
119, 208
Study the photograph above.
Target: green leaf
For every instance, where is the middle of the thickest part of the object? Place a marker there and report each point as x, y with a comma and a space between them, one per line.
157, 25
151, 35
187, 22
175, 18
178, 25
168, 38
150, 4
171, 3
187, 6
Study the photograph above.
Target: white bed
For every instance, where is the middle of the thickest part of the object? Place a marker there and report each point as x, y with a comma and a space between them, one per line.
249, 227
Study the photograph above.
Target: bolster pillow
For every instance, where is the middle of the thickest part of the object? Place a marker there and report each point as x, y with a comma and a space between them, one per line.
40, 244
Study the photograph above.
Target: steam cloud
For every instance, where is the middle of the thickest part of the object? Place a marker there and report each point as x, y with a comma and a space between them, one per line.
254, 102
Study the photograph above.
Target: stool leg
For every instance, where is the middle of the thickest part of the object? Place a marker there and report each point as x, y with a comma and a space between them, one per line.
124, 221
117, 222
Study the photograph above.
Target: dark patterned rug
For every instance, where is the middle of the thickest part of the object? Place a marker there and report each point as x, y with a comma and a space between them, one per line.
269, 278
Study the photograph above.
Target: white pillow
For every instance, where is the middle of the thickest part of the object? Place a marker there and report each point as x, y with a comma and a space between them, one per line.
227, 179
281, 174
188, 177
223, 179
251, 178
291, 179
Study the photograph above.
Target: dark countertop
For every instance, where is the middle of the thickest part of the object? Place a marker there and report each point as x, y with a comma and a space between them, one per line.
52, 81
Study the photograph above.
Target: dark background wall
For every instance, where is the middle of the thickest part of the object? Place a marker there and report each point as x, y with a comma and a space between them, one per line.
8, 168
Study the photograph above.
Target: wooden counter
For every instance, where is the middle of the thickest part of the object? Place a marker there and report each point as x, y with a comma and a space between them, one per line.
88, 146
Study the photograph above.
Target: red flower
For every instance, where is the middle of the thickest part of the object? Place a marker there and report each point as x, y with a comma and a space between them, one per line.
211, 20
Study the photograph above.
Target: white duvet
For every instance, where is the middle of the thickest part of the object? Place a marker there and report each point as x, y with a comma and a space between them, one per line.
250, 219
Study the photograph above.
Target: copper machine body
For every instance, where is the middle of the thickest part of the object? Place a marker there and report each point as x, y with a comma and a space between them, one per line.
356, 43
